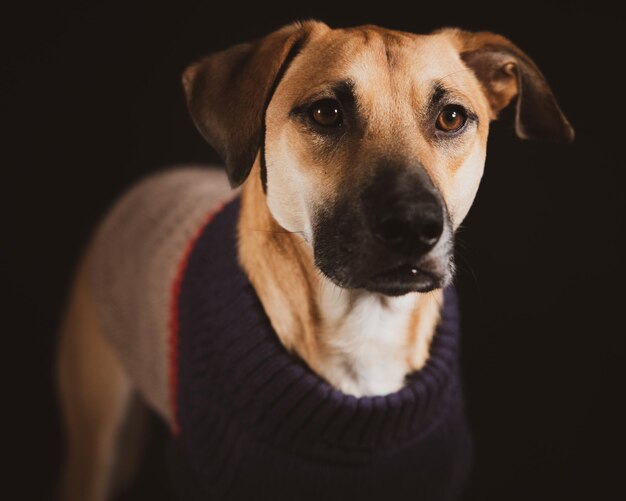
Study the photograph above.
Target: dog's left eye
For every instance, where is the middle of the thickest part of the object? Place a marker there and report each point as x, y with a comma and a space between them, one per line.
452, 118
327, 113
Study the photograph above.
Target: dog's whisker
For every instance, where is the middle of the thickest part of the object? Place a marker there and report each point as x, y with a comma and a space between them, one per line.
466, 265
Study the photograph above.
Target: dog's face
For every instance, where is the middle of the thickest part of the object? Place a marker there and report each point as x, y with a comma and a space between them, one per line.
375, 155
372, 141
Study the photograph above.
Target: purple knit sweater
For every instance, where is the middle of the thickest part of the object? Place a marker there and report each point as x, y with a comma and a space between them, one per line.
256, 423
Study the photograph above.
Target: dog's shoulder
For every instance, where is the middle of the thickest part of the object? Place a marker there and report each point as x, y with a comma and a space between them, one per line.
134, 259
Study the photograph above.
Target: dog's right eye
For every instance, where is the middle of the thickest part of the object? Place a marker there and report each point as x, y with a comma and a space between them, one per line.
327, 113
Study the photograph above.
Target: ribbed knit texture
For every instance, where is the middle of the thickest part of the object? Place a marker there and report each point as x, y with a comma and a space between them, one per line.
255, 421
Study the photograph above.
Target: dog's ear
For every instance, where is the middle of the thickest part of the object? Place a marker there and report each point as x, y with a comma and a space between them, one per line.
228, 92
506, 73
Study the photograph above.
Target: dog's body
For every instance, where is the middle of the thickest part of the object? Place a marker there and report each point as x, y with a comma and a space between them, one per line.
363, 150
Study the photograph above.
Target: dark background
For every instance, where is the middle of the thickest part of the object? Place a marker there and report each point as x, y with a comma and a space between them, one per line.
90, 101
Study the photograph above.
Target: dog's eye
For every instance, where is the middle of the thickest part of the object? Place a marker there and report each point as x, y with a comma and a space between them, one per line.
327, 113
452, 118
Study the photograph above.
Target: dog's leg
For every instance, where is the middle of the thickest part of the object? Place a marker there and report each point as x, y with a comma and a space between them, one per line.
94, 396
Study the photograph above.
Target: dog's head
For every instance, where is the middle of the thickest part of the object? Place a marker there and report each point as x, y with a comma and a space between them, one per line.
372, 142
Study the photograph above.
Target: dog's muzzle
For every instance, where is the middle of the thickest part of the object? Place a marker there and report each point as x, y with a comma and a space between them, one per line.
394, 238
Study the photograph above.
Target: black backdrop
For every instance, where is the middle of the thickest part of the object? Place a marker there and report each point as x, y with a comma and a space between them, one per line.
90, 101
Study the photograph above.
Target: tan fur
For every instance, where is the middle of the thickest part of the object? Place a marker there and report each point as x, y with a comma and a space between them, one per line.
95, 394
279, 265
499, 91
421, 329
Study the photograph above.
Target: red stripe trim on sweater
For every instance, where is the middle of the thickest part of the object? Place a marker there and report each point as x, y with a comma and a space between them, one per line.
174, 317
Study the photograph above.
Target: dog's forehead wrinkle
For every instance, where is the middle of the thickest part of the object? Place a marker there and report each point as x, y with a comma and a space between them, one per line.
392, 71
385, 42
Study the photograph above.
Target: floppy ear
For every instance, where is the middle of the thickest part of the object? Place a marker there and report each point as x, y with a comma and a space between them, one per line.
505, 73
228, 92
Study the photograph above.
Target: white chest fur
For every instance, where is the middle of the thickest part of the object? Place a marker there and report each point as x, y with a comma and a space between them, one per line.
366, 338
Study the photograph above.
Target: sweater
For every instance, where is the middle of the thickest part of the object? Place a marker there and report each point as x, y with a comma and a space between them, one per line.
252, 420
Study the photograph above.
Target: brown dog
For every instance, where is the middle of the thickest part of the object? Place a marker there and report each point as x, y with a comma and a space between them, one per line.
362, 150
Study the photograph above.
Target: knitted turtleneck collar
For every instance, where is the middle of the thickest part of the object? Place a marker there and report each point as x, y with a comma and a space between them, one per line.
239, 390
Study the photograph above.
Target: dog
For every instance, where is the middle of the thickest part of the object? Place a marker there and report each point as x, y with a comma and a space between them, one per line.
359, 152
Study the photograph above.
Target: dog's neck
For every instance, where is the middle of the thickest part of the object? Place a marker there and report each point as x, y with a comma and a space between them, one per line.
362, 343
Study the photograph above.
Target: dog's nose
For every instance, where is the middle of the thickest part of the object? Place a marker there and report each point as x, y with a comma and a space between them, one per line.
409, 228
